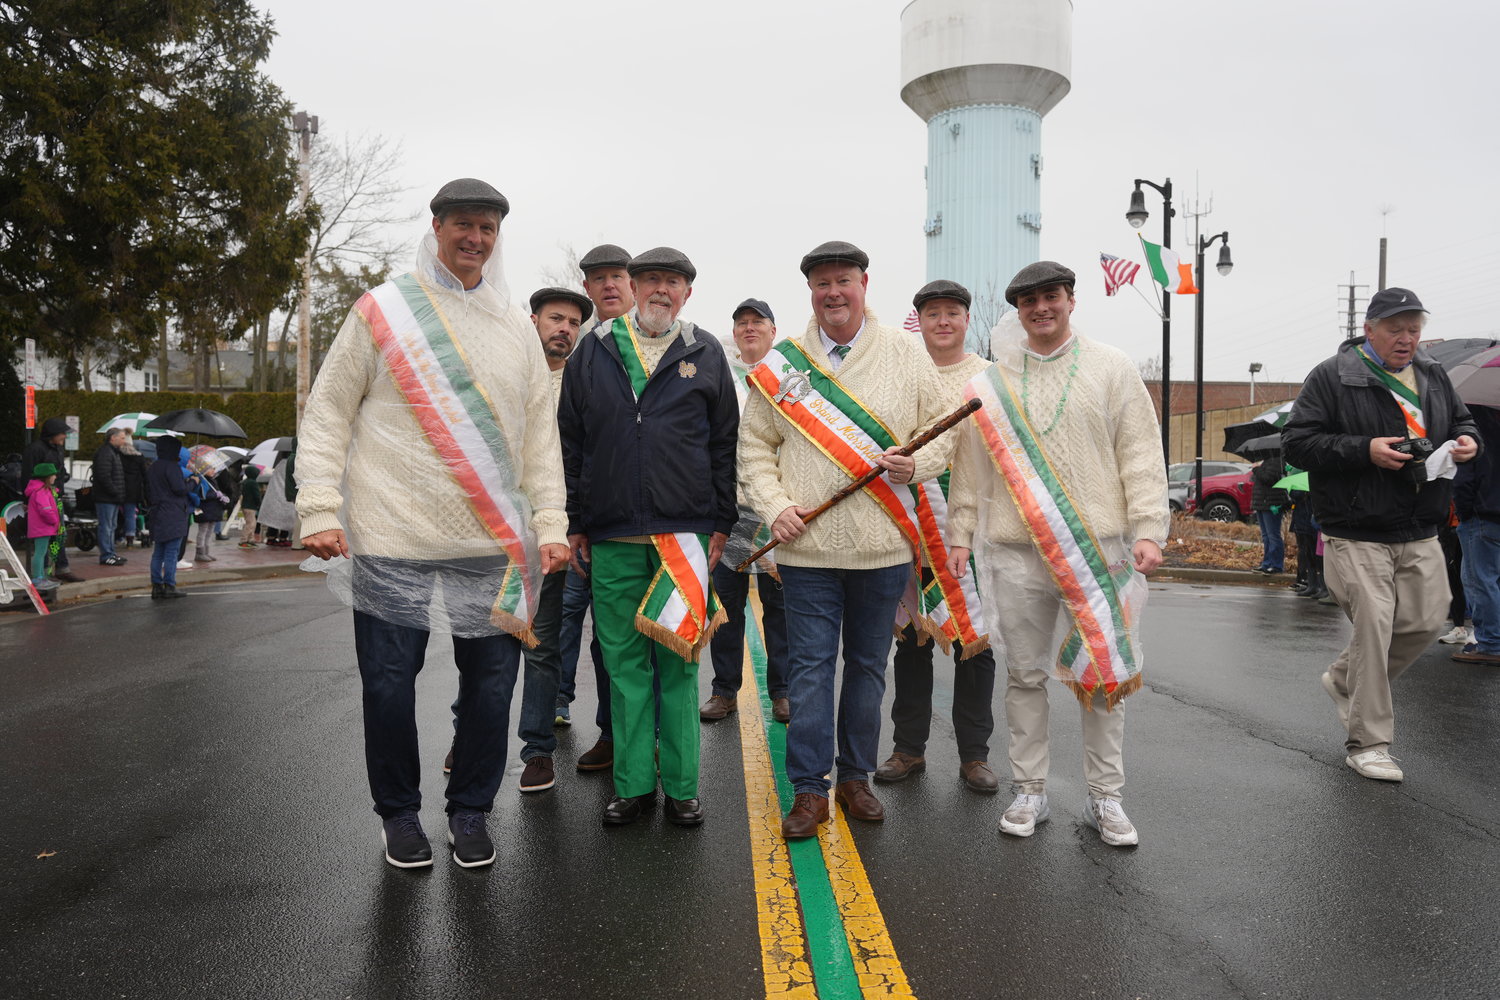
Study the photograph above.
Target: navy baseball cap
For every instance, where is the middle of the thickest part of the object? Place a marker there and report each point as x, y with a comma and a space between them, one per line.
757, 305
1390, 301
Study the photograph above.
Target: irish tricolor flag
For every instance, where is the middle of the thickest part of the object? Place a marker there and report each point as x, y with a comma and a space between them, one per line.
1170, 271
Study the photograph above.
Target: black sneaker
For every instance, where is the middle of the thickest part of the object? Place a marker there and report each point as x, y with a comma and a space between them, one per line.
406, 845
470, 840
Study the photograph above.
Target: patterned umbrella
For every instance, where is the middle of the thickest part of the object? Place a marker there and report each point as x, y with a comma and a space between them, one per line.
1278, 417
206, 460
135, 423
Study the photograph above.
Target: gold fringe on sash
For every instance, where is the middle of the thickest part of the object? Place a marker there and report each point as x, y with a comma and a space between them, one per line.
1119, 694
664, 636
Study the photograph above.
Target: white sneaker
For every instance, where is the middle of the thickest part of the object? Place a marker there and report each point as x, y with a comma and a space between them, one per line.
1108, 817
185, 564
1024, 813
1457, 636
1377, 764
1340, 700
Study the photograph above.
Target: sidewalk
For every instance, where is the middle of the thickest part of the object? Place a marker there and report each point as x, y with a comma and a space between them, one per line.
230, 563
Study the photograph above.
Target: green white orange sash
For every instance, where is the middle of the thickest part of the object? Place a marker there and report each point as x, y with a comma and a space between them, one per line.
949, 606
1099, 652
428, 365
1405, 396
680, 609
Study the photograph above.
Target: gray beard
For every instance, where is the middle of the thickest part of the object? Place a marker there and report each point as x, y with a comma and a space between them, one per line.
655, 320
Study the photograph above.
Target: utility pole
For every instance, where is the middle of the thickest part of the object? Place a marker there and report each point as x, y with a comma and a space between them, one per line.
1354, 302
306, 126
1385, 210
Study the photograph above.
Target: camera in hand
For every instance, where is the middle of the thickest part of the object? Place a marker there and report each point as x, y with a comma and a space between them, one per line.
1418, 449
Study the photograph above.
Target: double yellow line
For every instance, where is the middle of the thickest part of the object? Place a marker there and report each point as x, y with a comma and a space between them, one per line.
822, 934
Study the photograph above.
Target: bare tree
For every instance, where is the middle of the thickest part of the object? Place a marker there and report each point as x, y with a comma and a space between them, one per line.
1150, 369
356, 192
985, 311
567, 274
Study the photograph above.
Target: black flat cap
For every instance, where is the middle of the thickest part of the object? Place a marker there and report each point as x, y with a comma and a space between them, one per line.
1391, 302
663, 259
552, 293
755, 305
1038, 275
834, 250
604, 255
941, 289
469, 191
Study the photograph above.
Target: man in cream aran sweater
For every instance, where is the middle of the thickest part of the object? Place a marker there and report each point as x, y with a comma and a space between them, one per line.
429, 453
844, 573
1090, 413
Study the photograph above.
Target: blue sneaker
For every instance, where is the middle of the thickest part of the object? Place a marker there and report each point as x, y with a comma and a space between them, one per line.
405, 842
564, 717
471, 841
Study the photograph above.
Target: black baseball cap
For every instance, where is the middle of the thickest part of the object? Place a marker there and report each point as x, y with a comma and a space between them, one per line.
1390, 301
754, 304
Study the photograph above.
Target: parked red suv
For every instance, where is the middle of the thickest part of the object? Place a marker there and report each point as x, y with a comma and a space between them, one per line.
1226, 490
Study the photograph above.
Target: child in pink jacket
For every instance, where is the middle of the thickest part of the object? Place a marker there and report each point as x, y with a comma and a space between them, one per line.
43, 519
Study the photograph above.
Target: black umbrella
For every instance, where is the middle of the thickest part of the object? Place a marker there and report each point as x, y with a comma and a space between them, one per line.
1257, 448
210, 423
1451, 353
1236, 435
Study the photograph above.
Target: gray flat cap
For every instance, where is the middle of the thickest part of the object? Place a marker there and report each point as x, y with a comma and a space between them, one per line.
604, 255
834, 250
552, 293
469, 191
1038, 275
663, 259
942, 289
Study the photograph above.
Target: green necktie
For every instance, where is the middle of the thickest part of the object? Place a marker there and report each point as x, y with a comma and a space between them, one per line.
842, 350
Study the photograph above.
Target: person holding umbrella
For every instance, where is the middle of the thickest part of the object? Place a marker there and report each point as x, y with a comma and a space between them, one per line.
169, 495
1269, 502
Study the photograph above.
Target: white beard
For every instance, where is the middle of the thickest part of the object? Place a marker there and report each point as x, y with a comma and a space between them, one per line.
656, 319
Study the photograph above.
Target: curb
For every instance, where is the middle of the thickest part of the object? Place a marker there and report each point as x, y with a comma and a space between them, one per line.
142, 581
1209, 574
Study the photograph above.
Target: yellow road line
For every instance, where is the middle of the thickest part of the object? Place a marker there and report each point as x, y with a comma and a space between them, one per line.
783, 943
879, 970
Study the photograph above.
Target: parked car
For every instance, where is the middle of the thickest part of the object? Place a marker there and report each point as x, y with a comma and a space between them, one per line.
1226, 490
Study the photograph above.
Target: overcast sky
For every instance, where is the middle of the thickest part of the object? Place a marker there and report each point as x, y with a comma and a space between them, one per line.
745, 134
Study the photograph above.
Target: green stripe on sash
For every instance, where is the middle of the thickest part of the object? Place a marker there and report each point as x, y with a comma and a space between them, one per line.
630, 353
1390, 381
830, 390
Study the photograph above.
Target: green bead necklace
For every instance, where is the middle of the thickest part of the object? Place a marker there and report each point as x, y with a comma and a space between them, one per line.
1062, 400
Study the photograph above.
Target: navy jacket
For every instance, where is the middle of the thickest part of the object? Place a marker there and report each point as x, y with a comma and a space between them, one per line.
1476, 488
661, 464
1341, 407
167, 493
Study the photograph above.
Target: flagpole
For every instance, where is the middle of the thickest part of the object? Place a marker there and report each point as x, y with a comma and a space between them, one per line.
1156, 309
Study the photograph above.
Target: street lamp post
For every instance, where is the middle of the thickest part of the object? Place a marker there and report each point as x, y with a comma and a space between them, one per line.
1255, 367
1224, 266
1137, 216
306, 126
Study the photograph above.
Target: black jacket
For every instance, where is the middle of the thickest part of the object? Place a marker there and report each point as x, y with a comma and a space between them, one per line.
1341, 407
1476, 488
135, 476
109, 475
1263, 492
40, 451
167, 492
665, 463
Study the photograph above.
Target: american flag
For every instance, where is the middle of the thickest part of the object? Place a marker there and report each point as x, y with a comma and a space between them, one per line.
1117, 272
912, 323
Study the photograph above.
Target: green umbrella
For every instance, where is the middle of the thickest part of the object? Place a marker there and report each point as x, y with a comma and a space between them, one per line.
1296, 481
135, 423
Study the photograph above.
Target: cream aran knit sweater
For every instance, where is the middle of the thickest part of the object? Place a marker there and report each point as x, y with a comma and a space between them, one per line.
397, 495
1105, 446
889, 371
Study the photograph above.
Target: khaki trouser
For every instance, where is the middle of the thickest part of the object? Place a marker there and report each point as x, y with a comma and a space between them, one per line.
1396, 595
1029, 612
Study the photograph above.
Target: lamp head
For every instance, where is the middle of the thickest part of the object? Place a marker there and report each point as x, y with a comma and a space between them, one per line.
1137, 215
1255, 367
1226, 264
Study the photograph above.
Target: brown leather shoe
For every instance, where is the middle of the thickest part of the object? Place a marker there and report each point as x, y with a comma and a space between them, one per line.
808, 810
599, 757
978, 776
858, 801
900, 766
716, 707
781, 709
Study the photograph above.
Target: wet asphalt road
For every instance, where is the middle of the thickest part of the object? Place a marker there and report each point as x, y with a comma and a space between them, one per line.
197, 768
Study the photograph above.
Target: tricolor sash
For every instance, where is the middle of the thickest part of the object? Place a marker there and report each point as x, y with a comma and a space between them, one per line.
1405, 396
680, 609
428, 366
1100, 650
840, 426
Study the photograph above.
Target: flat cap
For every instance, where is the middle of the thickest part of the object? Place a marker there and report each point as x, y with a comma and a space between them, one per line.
604, 255
469, 191
941, 289
834, 250
1038, 275
754, 305
663, 259
552, 293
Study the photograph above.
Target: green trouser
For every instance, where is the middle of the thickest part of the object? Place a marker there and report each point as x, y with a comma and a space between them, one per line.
622, 572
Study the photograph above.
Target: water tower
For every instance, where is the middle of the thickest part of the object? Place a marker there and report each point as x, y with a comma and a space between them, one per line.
982, 73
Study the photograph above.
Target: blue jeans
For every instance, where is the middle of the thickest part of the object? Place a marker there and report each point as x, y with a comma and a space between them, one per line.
728, 644
164, 560
130, 515
821, 604
1481, 573
577, 598
390, 657
1273, 547
108, 515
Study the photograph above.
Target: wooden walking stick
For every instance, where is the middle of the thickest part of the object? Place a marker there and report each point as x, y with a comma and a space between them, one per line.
947, 423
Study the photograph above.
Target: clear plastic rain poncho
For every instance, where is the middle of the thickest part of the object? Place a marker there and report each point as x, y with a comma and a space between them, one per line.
432, 387
1032, 625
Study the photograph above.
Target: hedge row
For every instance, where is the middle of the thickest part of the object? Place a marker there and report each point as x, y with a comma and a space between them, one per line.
261, 414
